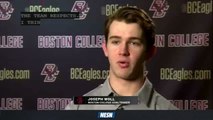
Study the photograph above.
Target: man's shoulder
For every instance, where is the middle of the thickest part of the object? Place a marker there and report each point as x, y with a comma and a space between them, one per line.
162, 103
96, 91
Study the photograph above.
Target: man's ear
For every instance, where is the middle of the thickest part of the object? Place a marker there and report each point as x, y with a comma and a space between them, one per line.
151, 52
104, 47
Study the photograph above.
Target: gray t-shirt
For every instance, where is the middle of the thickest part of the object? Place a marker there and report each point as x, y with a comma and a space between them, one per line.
149, 99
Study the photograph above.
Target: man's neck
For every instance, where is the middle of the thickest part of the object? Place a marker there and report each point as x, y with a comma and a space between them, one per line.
126, 87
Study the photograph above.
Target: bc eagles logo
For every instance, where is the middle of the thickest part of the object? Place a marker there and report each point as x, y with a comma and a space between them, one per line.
51, 71
5, 10
159, 7
82, 8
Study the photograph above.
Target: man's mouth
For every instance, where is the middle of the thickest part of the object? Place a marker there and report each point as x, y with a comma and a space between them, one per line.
123, 64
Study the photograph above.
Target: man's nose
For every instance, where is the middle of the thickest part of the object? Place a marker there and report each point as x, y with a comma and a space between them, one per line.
124, 49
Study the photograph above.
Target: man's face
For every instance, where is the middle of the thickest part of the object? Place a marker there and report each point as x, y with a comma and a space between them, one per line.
125, 50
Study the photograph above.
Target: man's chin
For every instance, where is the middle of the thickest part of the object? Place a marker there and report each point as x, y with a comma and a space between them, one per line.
126, 77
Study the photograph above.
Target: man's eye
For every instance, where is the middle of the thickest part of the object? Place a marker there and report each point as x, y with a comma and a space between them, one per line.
115, 42
135, 43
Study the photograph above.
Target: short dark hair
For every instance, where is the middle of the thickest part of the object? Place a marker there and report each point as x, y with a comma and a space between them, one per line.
134, 15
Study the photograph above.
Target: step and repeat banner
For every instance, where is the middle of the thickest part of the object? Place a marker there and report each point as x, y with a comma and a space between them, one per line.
50, 51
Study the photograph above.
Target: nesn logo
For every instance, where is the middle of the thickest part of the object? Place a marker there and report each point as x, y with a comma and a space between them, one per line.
106, 114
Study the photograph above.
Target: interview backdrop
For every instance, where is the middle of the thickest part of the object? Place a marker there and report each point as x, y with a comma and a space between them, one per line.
45, 61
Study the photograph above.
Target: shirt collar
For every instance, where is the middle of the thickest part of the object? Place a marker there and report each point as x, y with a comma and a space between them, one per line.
144, 93
106, 88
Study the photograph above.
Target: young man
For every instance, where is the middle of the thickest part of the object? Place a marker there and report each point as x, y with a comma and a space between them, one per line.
130, 35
